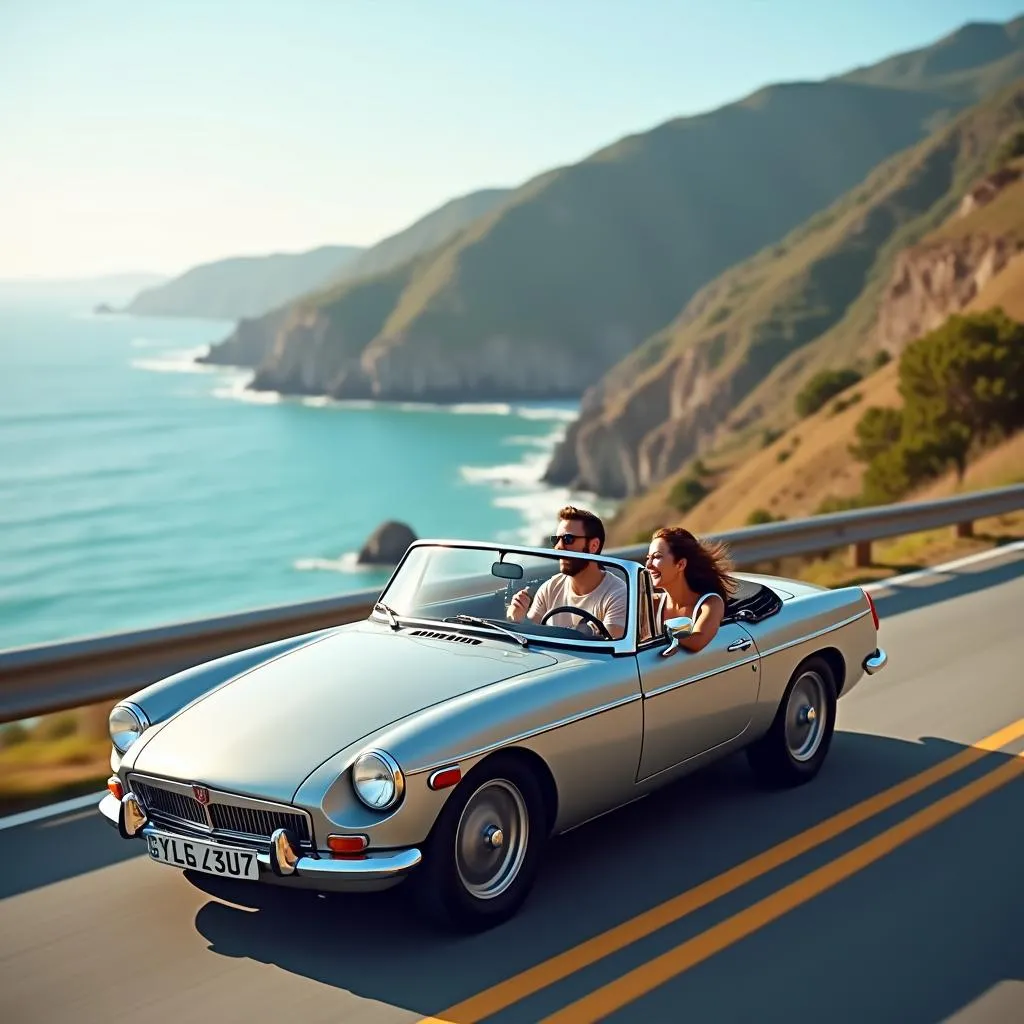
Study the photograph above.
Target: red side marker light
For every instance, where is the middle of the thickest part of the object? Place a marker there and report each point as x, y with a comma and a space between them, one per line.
115, 788
444, 777
871, 605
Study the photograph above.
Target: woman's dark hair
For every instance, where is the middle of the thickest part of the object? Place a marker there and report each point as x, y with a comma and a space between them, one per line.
707, 562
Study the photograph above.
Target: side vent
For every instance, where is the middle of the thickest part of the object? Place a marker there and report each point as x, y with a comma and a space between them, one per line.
455, 638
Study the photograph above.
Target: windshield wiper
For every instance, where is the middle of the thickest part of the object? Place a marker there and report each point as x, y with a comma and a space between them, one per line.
389, 612
472, 620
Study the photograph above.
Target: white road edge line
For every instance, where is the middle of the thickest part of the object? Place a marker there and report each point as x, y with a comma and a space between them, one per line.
939, 570
91, 799
77, 803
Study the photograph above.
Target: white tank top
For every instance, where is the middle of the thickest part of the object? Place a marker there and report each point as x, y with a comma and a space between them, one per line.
661, 599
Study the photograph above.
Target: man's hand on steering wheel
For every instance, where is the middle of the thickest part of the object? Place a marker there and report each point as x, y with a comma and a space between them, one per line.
582, 613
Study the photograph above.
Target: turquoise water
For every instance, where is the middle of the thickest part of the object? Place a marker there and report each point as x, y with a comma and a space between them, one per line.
137, 488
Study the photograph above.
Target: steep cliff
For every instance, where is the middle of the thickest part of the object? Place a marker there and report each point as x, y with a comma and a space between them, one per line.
948, 270
732, 361
256, 337
974, 261
547, 292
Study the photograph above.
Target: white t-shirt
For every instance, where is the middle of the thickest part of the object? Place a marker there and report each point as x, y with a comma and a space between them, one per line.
607, 601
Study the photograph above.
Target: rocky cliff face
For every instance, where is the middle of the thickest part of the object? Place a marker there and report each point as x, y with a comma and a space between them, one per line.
644, 422
249, 344
935, 280
308, 356
621, 445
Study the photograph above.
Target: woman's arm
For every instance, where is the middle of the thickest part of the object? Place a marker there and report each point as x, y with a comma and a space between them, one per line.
709, 618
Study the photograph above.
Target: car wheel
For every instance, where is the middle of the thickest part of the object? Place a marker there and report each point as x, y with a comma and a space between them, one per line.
484, 852
795, 747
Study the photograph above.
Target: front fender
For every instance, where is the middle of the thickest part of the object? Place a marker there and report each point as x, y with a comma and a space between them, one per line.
558, 711
162, 700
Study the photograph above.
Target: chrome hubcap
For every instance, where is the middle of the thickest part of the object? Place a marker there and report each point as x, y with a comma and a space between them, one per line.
805, 716
491, 838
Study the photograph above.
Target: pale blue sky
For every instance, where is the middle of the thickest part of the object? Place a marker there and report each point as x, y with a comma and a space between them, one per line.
154, 135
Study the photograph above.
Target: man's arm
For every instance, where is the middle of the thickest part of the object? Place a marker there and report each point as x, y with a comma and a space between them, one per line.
614, 617
542, 602
521, 607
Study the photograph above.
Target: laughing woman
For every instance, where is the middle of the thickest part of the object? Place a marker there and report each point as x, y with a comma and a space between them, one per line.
691, 578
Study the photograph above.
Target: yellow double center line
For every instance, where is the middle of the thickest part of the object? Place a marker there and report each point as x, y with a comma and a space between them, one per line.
631, 986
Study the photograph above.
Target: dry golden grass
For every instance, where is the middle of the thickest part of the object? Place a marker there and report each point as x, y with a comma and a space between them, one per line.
789, 478
62, 755
1006, 289
999, 467
811, 460
901, 554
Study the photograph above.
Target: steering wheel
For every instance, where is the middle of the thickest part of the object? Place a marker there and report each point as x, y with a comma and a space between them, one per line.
572, 610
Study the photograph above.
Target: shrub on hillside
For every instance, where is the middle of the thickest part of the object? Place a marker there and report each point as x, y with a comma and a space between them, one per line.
823, 386
1011, 148
13, 734
962, 387
56, 727
877, 430
834, 503
686, 492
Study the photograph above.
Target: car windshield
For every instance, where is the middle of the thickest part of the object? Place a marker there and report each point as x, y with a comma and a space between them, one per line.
456, 584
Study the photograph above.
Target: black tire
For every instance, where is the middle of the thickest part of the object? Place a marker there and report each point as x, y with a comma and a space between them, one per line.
503, 792
794, 749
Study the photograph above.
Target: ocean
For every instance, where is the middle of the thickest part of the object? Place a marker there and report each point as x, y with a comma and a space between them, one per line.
138, 488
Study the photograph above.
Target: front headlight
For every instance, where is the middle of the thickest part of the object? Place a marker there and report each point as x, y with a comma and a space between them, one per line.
125, 724
377, 780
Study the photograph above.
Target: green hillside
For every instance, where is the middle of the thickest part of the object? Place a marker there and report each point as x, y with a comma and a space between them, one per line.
250, 287
725, 375
435, 229
243, 286
547, 292
966, 66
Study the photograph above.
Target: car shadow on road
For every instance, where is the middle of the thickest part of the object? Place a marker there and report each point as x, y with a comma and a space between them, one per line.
595, 877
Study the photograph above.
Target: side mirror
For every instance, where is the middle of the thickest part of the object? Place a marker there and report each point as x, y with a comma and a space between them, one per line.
675, 629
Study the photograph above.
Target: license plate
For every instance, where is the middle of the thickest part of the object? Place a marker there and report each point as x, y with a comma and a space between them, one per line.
228, 862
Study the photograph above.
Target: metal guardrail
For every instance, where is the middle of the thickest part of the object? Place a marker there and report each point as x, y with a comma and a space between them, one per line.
52, 677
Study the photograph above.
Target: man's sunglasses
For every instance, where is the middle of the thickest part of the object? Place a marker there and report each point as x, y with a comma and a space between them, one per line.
566, 538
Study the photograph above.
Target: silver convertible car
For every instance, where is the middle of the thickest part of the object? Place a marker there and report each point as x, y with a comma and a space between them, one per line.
439, 744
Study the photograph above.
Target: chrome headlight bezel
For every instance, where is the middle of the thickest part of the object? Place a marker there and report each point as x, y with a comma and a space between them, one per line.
370, 769
125, 724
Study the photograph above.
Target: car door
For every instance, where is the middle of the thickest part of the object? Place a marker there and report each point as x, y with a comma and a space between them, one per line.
694, 701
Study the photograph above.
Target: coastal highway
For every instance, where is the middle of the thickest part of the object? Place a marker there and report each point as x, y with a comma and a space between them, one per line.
846, 899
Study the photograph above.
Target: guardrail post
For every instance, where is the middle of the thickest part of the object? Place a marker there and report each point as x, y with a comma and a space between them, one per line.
965, 529
862, 554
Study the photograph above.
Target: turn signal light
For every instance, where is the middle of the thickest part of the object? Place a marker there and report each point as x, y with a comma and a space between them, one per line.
114, 787
444, 778
347, 844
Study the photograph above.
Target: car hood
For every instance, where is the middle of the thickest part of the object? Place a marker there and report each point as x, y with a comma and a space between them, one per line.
263, 732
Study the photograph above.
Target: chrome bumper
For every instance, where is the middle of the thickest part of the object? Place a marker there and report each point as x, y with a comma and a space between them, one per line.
282, 864
876, 662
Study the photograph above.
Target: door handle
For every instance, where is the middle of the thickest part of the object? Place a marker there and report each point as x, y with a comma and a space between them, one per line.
739, 645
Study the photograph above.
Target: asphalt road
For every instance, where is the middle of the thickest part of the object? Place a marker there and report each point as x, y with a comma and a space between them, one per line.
913, 914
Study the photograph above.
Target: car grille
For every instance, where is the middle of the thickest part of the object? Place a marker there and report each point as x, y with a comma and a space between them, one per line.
232, 818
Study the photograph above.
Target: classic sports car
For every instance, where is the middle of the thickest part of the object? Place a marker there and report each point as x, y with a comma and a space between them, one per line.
439, 742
